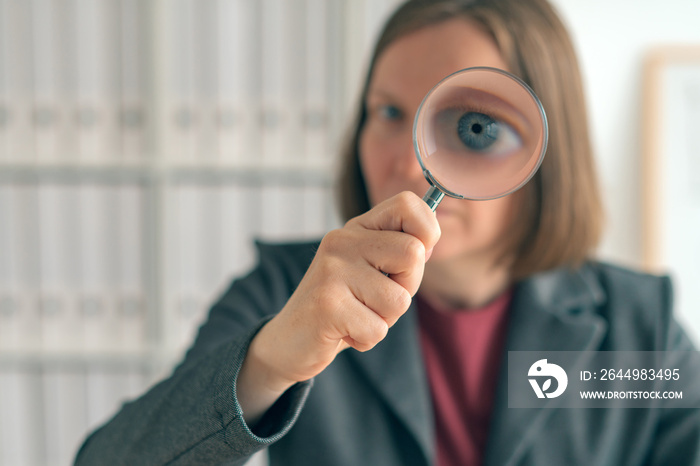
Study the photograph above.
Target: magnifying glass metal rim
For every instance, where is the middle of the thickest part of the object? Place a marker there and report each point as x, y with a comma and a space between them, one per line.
437, 191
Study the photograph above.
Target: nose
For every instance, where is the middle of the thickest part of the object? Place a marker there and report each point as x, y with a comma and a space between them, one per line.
405, 161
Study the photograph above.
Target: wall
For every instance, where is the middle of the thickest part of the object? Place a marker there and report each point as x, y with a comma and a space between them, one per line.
49, 399
613, 38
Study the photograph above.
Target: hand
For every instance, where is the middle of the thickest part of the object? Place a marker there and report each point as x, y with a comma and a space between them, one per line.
359, 284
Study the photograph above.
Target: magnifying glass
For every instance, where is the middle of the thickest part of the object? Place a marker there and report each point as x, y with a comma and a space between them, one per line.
479, 134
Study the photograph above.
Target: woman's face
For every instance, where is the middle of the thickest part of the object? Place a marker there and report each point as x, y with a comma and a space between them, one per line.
403, 74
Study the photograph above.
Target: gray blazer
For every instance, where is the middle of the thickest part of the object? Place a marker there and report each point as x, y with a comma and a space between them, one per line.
374, 408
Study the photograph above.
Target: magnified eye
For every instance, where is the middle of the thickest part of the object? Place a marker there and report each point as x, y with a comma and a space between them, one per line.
476, 132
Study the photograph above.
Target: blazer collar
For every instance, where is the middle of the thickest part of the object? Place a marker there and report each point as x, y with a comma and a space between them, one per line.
553, 311
396, 370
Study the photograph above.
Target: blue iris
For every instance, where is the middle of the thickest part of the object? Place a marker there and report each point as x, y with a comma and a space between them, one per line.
389, 112
477, 131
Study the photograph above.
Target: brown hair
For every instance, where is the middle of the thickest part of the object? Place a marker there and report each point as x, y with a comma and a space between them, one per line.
560, 216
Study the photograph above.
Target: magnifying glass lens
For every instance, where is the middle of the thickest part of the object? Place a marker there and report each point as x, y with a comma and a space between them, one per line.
481, 133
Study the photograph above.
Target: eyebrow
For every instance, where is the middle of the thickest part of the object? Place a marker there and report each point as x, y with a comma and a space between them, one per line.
379, 93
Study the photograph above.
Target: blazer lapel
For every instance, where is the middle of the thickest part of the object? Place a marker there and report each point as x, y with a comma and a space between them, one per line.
550, 312
395, 368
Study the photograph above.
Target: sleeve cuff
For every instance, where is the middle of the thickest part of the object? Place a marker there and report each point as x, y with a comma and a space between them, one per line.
275, 423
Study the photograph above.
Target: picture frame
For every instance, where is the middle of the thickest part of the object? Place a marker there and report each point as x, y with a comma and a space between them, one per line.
671, 173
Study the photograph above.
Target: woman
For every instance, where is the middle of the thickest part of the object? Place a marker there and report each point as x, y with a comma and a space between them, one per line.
322, 354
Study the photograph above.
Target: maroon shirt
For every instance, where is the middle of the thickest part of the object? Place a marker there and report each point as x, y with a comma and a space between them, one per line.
462, 351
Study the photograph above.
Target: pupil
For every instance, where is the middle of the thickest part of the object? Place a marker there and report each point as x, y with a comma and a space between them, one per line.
477, 131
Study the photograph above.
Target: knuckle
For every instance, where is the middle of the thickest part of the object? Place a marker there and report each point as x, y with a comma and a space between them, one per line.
377, 331
406, 201
414, 250
352, 222
325, 273
403, 300
397, 301
434, 233
369, 333
363, 347
332, 241
408, 196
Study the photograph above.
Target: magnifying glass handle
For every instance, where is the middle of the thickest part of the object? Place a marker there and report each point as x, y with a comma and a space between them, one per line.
433, 197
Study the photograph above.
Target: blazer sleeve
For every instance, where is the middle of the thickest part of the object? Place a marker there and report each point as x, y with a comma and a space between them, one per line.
677, 436
193, 417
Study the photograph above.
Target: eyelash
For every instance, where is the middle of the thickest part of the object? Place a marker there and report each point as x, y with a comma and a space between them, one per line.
486, 110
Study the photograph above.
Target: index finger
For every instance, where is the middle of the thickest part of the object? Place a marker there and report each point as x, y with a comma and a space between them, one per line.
404, 212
